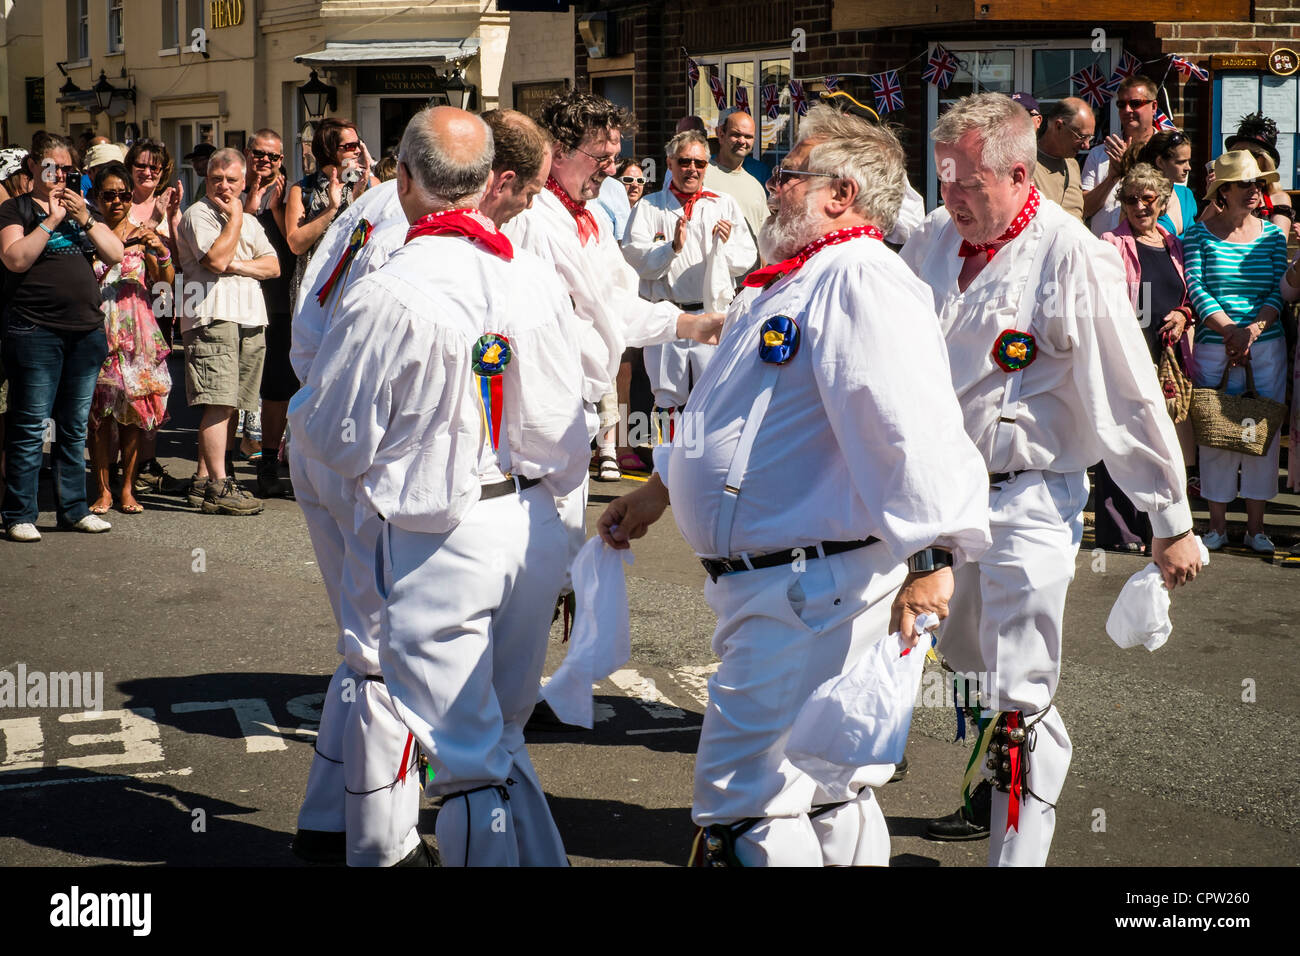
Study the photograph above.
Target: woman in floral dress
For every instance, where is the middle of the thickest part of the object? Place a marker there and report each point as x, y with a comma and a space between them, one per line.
133, 383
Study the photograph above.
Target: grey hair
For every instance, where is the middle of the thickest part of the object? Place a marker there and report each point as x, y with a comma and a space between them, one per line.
690, 137
852, 147
1006, 131
1144, 176
434, 173
226, 156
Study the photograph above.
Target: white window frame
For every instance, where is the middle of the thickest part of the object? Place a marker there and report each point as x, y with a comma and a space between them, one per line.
719, 62
1021, 79
115, 44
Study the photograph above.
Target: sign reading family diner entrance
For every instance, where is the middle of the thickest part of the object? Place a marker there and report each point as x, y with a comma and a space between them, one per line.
225, 13
391, 80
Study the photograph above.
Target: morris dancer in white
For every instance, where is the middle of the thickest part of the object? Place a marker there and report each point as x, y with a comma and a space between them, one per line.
828, 470
358, 243
668, 242
1051, 372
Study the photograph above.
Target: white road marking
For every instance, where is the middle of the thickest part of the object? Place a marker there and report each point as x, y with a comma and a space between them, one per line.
24, 744
255, 721
643, 689
102, 778
140, 738
662, 730
695, 680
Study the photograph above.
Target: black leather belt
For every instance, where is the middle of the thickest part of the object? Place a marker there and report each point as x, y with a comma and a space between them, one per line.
507, 487
690, 306
998, 477
718, 567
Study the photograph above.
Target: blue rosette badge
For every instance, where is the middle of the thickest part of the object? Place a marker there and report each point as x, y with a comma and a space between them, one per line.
491, 354
778, 341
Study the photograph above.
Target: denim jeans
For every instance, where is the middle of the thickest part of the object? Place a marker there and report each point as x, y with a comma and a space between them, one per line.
52, 377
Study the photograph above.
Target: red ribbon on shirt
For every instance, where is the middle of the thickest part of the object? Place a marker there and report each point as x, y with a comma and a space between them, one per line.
470, 223
688, 201
769, 274
587, 228
1023, 218
1017, 795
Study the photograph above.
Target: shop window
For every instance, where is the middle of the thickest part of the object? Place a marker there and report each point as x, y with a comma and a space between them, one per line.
751, 71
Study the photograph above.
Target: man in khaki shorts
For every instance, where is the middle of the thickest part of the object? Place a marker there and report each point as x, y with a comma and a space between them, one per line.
224, 255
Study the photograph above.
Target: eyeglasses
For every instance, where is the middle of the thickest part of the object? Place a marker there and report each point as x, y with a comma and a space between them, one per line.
114, 195
781, 175
1259, 184
263, 154
691, 163
1083, 139
1132, 104
630, 180
149, 166
1147, 201
601, 161
352, 147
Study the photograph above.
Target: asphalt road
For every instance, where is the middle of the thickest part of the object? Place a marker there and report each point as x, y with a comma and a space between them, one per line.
215, 643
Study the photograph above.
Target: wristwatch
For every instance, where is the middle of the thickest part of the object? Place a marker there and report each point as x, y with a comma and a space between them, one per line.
929, 559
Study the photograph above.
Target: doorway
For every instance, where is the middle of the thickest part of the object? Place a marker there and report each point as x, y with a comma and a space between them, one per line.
382, 119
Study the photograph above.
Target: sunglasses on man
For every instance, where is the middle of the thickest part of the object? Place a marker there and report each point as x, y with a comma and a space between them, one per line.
1132, 104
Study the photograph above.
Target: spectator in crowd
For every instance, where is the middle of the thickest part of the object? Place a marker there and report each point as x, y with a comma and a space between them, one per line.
228, 254
1170, 151
342, 174
53, 342
1291, 293
1136, 102
736, 173
613, 202
14, 179
1067, 129
633, 178
85, 143
264, 200
96, 158
386, 168
632, 366
133, 382
198, 160
1258, 134
1235, 264
1153, 262
1031, 107
153, 202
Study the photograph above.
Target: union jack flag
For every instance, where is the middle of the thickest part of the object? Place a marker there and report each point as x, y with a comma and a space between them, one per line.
719, 94
771, 101
1129, 65
742, 99
1163, 123
1189, 69
888, 91
1091, 85
941, 68
832, 82
692, 71
798, 99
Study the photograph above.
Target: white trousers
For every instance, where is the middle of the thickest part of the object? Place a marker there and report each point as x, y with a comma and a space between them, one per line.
360, 741
781, 633
1005, 621
672, 367
463, 644
1219, 467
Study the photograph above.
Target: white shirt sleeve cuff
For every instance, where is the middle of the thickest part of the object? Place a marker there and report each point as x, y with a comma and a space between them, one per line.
1171, 520
661, 457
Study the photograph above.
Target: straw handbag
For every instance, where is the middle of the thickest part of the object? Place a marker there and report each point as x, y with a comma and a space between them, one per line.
1243, 423
1175, 384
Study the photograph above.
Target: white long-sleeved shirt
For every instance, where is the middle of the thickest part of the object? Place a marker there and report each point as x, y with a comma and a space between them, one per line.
601, 284
863, 435
679, 276
378, 206
393, 403
1091, 393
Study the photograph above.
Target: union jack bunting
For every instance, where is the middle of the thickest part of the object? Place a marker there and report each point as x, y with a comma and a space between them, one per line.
771, 101
1129, 65
742, 99
888, 91
940, 68
1163, 123
692, 71
798, 99
832, 82
1091, 85
1189, 69
719, 94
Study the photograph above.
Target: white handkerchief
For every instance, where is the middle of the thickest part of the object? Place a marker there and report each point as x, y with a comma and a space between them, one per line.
1141, 612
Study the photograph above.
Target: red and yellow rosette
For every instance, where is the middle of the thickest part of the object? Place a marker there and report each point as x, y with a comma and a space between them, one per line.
492, 354
1014, 350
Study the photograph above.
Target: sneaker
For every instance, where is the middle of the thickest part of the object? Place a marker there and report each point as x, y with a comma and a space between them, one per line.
1259, 542
90, 524
228, 498
26, 531
1214, 540
197, 490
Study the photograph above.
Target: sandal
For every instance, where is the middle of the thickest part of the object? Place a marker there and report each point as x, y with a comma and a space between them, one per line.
134, 509
607, 469
100, 509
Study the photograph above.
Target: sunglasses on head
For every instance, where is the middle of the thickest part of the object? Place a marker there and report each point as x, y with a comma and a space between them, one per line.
630, 180
1132, 104
689, 163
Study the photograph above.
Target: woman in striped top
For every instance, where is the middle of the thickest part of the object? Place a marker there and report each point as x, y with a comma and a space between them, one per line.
1234, 264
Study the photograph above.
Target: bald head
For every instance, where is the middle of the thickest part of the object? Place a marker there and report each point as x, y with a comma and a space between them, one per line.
1067, 128
690, 123
446, 155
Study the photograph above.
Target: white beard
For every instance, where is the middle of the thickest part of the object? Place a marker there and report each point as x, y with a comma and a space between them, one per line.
779, 240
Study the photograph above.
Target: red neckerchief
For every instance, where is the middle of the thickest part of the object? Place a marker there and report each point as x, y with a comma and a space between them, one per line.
587, 228
470, 223
769, 274
1023, 218
688, 202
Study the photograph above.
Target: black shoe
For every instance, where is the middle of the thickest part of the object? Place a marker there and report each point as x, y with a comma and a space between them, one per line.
962, 825
900, 770
321, 847
545, 720
268, 478
420, 856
